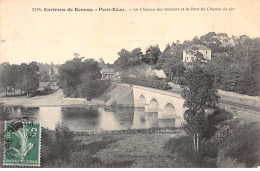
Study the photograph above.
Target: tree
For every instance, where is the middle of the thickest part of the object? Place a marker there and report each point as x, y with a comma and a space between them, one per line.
128, 59
101, 63
31, 77
81, 78
24, 77
4, 69
152, 55
200, 94
219, 65
122, 61
196, 41
171, 62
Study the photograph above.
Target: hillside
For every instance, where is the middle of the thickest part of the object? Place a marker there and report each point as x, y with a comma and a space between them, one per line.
235, 61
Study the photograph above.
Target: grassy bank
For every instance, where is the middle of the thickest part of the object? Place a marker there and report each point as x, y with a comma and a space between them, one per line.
62, 148
226, 143
118, 95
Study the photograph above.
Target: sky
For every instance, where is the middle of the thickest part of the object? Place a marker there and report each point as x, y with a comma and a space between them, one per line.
55, 36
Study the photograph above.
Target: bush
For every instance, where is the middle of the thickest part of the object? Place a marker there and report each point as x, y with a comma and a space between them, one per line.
209, 147
243, 143
182, 80
89, 90
64, 140
47, 140
93, 88
182, 146
154, 83
56, 146
213, 122
209, 150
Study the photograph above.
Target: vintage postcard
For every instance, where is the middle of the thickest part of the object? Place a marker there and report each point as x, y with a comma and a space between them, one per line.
129, 84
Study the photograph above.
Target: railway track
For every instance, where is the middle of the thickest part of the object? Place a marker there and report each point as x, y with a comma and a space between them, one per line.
225, 102
255, 108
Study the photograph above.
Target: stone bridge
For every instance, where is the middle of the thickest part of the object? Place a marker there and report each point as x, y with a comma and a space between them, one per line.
168, 105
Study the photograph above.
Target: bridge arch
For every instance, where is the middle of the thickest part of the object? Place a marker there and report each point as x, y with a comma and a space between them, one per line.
141, 101
154, 104
169, 109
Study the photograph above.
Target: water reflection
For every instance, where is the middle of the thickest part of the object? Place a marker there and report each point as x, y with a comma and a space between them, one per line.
84, 119
81, 119
144, 120
49, 117
108, 121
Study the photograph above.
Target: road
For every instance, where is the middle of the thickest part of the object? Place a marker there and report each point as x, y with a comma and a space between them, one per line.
54, 99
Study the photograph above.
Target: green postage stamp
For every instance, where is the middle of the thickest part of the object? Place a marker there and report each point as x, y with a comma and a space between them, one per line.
22, 143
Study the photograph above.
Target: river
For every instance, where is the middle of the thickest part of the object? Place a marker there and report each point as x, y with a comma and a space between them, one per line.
82, 119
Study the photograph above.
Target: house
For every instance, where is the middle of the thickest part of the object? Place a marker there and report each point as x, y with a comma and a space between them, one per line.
107, 73
194, 52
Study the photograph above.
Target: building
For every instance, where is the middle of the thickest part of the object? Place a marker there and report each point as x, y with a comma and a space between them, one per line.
107, 73
192, 53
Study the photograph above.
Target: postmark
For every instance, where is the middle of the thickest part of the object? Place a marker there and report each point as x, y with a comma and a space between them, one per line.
22, 143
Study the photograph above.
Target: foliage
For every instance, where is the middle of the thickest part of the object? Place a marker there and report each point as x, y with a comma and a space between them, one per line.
235, 61
93, 89
64, 140
170, 62
30, 77
57, 145
241, 141
200, 94
159, 84
237, 67
128, 59
61, 149
152, 55
223, 138
214, 134
82, 79
24, 77
213, 122
183, 148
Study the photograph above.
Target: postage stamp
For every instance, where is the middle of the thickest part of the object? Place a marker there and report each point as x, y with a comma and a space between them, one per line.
22, 143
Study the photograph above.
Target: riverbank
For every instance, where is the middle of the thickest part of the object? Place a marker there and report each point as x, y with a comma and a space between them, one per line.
55, 99
116, 95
